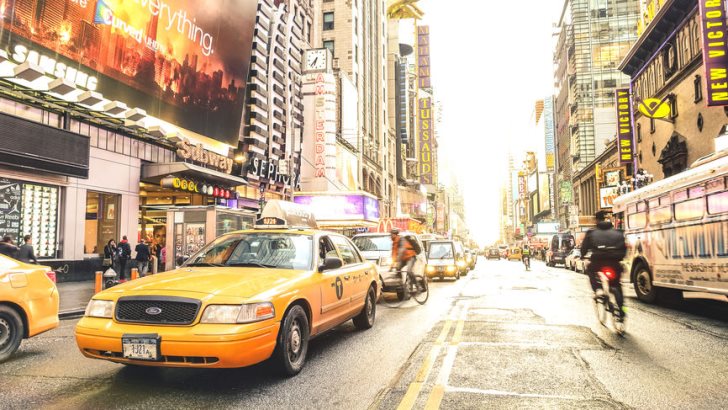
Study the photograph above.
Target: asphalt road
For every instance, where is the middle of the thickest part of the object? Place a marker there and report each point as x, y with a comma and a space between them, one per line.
499, 338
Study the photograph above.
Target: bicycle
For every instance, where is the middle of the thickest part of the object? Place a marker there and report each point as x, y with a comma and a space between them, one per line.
607, 302
419, 291
527, 262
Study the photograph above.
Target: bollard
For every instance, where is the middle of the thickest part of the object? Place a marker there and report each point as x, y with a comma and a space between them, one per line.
134, 273
99, 281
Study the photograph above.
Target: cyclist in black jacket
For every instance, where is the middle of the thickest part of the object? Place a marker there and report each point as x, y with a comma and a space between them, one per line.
607, 248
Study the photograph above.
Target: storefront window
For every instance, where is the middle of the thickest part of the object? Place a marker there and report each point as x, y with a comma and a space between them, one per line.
102, 222
229, 222
30, 209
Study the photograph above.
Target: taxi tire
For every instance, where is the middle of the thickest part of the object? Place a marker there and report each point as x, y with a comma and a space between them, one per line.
363, 321
12, 323
295, 317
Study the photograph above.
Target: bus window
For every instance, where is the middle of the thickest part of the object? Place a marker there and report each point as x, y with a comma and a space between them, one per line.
716, 185
718, 203
632, 209
641, 206
665, 200
692, 209
696, 192
680, 195
637, 221
660, 215
654, 203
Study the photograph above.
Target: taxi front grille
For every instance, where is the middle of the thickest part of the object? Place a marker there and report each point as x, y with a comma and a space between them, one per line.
162, 310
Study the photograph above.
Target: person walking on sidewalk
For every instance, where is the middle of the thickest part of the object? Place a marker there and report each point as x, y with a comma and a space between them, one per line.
142, 257
26, 253
110, 254
7, 247
124, 252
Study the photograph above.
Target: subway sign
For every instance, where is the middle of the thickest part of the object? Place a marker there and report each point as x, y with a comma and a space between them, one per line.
715, 52
202, 188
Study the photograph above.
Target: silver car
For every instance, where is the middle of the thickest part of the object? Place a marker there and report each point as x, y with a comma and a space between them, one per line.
377, 247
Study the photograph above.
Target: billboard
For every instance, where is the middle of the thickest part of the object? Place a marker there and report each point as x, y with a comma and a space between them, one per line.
548, 123
426, 133
715, 51
544, 192
183, 62
341, 207
423, 57
624, 125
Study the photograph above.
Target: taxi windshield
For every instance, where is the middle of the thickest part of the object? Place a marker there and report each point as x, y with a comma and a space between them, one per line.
442, 250
253, 249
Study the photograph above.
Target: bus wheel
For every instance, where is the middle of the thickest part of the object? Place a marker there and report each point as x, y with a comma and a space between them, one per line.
646, 292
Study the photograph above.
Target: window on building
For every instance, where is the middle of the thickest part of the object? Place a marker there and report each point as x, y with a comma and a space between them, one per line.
652, 125
639, 132
102, 221
330, 45
673, 105
329, 20
308, 32
698, 88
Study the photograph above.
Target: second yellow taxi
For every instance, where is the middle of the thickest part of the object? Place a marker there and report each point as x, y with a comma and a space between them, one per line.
244, 298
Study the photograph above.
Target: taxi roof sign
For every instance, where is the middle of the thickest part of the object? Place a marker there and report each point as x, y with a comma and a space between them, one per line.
283, 214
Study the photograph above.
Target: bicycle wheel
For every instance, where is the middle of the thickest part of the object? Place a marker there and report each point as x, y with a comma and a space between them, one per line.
396, 298
601, 310
618, 320
423, 292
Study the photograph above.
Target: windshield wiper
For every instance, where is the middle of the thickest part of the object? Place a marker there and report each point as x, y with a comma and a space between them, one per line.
214, 265
258, 264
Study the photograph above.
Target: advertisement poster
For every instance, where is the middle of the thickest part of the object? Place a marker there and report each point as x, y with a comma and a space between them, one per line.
10, 207
548, 122
624, 125
183, 62
715, 51
427, 134
423, 57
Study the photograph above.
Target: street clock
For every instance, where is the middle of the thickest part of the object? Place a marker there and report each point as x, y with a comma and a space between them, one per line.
317, 60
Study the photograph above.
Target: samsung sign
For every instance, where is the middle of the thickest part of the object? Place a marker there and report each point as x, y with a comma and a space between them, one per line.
52, 67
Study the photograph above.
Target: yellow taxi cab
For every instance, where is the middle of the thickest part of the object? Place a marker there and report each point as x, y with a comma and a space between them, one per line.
246, 297
28, 303
514, 254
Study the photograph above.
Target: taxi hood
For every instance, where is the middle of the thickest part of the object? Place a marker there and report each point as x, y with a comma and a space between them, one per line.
201, 282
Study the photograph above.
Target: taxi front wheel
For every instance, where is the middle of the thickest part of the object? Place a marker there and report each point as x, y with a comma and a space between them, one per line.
365, 319
11, 332
292, 345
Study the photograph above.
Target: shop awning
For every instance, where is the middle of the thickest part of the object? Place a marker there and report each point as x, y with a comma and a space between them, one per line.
153, 173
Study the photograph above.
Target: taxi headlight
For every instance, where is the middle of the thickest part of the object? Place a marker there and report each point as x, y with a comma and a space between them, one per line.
430, 269
100, 308
461, 264
230, 314
451, 268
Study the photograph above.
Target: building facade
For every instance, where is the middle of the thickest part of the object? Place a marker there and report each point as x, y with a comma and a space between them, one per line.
667, 63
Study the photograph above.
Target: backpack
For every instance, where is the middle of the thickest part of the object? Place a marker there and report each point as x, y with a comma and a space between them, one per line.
415, 244
608, 245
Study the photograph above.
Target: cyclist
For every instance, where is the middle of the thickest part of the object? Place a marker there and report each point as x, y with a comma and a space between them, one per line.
607, 248
403, 256
526, 256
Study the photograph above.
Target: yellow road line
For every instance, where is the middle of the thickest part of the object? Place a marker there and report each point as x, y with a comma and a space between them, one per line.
433, 402
408, 401
445, 331
459, 327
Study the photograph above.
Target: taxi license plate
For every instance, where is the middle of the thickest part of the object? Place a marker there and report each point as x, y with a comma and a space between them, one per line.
441, 269
140, 347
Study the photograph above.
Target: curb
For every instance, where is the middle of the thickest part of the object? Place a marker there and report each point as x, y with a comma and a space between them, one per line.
71, 314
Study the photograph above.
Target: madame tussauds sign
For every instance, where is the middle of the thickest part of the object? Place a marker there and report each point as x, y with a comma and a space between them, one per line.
199, 154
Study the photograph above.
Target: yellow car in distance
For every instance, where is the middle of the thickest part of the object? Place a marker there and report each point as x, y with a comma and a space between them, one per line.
28, 303
246, 297
514, 254
442, 260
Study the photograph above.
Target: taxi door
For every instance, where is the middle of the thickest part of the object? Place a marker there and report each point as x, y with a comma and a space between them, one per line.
356, 273
335, 294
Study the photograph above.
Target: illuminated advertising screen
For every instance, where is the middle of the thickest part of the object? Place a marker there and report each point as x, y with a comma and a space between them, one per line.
183, 62
344, 207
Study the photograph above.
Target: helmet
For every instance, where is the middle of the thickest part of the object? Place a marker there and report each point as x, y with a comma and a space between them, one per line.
395, 231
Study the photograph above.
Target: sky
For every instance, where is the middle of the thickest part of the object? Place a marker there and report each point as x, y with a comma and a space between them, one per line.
490, 62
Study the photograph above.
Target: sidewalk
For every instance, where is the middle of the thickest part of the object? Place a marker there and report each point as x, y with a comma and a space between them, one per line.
73, 297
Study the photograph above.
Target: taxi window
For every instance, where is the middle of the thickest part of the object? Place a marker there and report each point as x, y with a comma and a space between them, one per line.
440, 250
266, 250
346, 249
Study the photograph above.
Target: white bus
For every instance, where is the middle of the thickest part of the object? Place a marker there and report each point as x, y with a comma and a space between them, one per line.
677, 231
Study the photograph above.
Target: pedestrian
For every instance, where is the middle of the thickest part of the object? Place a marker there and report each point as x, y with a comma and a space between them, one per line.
26, 253
110, 254
142, 257
7, 247
124, 254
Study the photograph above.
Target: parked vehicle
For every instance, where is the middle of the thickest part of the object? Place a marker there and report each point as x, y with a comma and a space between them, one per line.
461, 262
570, 262
28, 303
561, 246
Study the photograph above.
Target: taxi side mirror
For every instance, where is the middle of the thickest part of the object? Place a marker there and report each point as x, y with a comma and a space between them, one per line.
331, 263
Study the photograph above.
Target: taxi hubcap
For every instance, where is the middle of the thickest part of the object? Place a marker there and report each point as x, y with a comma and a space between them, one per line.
295, 341
4, 332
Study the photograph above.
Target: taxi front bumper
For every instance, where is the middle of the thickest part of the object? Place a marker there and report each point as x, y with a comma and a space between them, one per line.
200, 345
441, 272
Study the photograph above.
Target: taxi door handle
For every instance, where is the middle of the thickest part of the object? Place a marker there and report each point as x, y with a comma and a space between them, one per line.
347, 277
